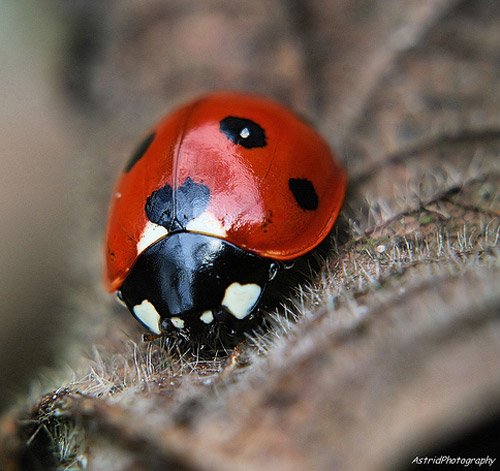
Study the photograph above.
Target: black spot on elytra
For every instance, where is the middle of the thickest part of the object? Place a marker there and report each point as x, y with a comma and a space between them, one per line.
304, 193
140, 151
191, 199
243, 132
160, 206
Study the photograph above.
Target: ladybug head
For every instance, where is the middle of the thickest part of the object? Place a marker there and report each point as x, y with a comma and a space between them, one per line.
194, 283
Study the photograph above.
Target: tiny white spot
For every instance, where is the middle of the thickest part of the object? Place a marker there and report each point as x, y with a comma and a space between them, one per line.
177, 322
148, 315
206, 223
380, 248
240, 299
118, 195
207, 317
244, 133
151, 234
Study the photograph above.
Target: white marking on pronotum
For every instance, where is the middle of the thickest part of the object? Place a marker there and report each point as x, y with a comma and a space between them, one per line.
177, 322
244, 133
207, 317
206, 223
240, 299
151, 234
148, 315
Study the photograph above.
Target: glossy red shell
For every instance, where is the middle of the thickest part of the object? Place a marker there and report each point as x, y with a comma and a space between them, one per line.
249, 188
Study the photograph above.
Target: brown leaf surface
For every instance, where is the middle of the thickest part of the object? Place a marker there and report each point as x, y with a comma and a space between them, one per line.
394, 348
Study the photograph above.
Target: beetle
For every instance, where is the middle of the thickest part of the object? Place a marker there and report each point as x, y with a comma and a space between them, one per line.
220, 196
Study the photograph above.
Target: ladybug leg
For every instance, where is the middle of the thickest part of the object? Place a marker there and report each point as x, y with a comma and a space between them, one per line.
149, 337
234, 361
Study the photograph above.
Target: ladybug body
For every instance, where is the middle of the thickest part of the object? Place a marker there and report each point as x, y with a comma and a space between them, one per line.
219, 196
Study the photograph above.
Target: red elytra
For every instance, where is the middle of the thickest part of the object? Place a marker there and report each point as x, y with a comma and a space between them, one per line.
251, 194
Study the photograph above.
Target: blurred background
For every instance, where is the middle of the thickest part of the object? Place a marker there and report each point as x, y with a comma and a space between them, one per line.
36, 143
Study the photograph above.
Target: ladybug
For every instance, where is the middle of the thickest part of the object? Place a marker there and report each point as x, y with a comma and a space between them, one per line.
220, 196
